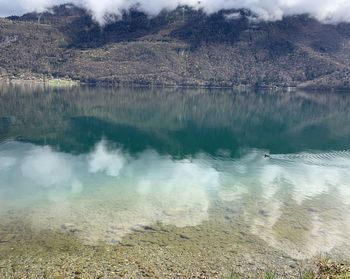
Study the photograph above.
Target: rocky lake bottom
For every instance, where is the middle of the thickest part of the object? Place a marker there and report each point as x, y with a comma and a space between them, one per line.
127, 183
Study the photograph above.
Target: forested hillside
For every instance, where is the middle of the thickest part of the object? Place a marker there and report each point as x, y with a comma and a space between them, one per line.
182, 47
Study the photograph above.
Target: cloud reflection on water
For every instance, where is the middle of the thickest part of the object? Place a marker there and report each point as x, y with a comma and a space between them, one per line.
104, 160
292, 203
104, 194
301, 204
44, 167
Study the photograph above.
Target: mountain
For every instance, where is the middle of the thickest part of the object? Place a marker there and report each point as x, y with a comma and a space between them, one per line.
181, 47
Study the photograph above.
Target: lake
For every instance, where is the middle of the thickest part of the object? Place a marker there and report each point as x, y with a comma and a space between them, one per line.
171, 183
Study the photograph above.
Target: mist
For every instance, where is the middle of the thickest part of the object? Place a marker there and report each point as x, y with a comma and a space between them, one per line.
332, 11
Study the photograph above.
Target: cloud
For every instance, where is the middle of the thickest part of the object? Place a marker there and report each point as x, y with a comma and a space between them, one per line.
6, 162
324, 10
103, 160
287, 200
68, 192
178, 188
294, 183
46, 168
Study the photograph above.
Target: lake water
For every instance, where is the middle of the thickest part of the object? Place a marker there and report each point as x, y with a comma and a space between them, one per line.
103, 164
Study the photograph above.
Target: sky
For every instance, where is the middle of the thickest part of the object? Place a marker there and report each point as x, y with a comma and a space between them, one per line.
324, 10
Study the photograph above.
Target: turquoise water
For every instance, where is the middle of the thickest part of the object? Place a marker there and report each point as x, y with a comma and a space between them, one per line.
103, 162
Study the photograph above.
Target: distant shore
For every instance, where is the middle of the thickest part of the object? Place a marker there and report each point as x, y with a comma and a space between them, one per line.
66, 82
43, 80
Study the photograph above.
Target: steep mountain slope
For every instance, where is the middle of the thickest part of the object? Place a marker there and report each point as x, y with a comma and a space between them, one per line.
182, 47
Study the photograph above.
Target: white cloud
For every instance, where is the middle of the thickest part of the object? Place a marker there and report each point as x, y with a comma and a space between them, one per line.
103, 160
274, 195
6, 162
46, 168
325, 10
64, 189
178, 188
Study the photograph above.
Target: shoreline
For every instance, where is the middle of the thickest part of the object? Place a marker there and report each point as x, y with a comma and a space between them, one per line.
66, 82
50, 254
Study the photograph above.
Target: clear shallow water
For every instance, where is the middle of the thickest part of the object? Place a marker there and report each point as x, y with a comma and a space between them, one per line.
103, 162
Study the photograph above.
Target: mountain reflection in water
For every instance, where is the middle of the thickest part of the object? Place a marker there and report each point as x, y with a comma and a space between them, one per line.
104, 162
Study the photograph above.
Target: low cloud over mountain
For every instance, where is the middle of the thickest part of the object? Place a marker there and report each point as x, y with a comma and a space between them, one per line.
102, 10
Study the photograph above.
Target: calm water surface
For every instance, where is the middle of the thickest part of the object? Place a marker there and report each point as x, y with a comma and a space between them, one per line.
102, 163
